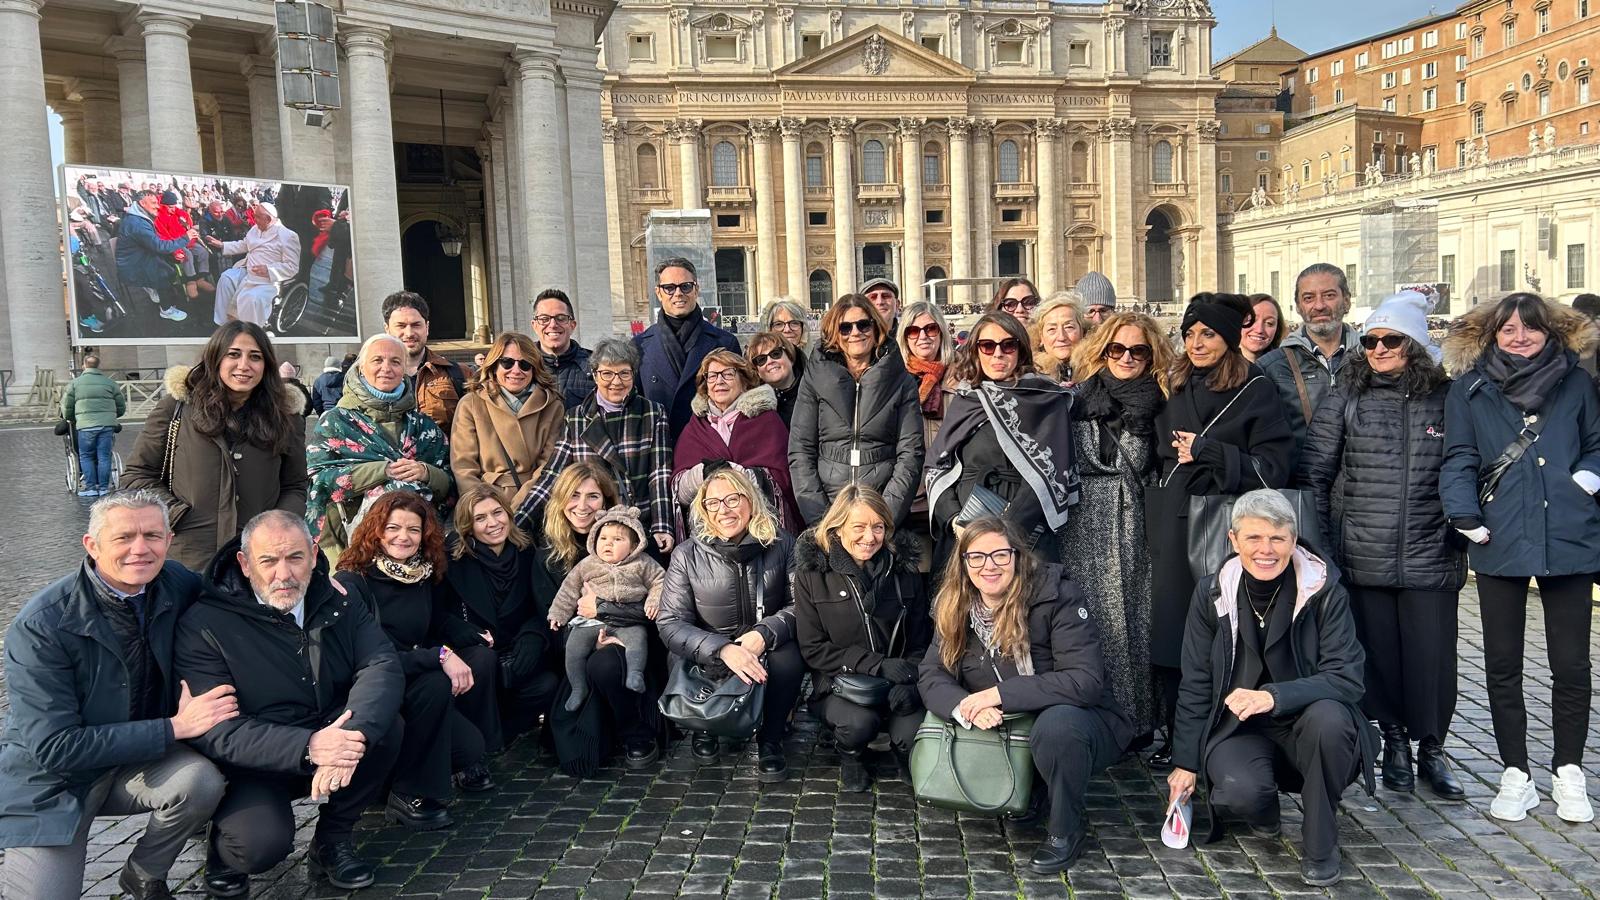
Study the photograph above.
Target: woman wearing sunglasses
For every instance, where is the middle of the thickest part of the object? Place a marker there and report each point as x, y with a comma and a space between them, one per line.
506, 427
1006, 446
1016, 296
1124, 365
1380, 436
926, 346
1012, 635
781, 364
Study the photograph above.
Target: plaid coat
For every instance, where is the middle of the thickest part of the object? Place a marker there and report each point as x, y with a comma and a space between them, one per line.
641, 462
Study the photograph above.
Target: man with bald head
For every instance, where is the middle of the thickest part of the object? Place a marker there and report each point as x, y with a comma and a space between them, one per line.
318, 687
271, 257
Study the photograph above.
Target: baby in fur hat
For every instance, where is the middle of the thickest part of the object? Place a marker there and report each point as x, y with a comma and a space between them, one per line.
617, 570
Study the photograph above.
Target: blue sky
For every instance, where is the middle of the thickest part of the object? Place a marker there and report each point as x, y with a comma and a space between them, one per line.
1311, 26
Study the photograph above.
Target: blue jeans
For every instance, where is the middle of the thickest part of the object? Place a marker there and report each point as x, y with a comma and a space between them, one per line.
94, 457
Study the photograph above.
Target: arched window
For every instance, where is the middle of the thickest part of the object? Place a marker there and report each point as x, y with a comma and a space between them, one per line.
1080, 163
647, 169
816, 170
821, 290
872, 163
932, 163
1010, 162
941, 294
1161, 163
724, 165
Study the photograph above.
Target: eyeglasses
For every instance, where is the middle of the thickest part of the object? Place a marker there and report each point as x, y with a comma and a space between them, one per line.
775, 353
732, 502
853, 326
789, 325
1141, 352
1001, 558
1010, 304
605, 377
1370, 342
930, 330
506, 364
669, 289
724, 375
1006, 347
542, 321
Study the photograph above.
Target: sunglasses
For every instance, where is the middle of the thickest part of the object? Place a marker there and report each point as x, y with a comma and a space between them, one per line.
506, 364
1011, 304
854, 326
1141, 352
1370, 342
1006, 347
669, 289
930, 330
761, 359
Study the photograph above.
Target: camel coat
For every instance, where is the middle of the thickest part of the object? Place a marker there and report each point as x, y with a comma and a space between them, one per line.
485, 433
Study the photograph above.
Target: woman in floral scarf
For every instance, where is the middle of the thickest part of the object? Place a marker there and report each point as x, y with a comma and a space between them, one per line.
374, 441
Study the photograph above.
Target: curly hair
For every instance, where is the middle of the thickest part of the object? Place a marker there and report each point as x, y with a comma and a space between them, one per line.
748, 376
469, 501
366, 544
486, 381
1088, 357
965, 367
953, 603
564, 547
265, 419
1420, 376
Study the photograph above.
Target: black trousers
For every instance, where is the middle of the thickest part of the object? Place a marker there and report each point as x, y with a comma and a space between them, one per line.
854, 726
253, 828
1410, 639
785, 671
521, 701
1070, 744
479, 706
1319, 745
1503, 605
439, 738
634, 716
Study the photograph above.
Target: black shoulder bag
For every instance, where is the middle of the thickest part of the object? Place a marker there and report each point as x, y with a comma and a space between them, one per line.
1489, 476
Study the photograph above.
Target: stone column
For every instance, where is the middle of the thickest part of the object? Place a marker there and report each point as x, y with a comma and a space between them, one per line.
794, 213
1204, 260
843, 129
983, 198
516, 189
960, 204
174, 130
591, 236
375, 213
102, 122
72, 142
210, 147
1047, 271
766, 214
912, 264
490, 254
233, 132
691, 187
618, 189
266, 141
497, 185
132, 98
1119, 196
548, 238
30, 267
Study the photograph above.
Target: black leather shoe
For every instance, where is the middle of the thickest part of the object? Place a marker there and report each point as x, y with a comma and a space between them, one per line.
475, 779
1319, 874
223, 883
704, 747
1161, 759
641, 756
135, 888
1056, 855
340, 865
1398, 770
1434, 770
853, 775
420, 813
771, 766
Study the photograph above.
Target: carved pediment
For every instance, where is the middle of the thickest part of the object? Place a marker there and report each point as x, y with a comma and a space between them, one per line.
720, 22
1010, 27
876, 53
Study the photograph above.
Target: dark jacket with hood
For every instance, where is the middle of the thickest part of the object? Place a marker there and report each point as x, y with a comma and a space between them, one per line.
847, 620
143, 259
867, 431
573, 373
1540, 521
71, 694
1068, 667
711, 597
656, 379
290, 681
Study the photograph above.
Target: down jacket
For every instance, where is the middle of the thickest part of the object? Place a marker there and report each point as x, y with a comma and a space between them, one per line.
710, 598
1389, 447
877, 421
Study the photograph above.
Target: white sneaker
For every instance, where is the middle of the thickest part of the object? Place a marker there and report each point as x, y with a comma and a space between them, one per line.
173, 313
1516, 797
1572, 800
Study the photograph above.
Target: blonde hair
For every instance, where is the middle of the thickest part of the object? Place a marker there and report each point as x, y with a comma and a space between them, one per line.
564, 548
1089, 356
952, 606
763, 524
947, 344
1042, 360
852, 495
462, 519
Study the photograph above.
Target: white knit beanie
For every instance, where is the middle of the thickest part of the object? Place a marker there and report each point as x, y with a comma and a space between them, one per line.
1406, 313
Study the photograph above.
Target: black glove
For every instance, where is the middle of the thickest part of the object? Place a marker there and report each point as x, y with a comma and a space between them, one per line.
711, 466
904, 699
899, 671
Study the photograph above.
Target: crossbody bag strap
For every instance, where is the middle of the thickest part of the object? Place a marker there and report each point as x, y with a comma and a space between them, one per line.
1509, 457
510, 466
1293, 356
170, 451
1220, 413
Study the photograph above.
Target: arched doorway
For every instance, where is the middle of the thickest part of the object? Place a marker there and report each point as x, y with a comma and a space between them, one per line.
437, 277
1158, 258
941, 294
733, 286
821, 285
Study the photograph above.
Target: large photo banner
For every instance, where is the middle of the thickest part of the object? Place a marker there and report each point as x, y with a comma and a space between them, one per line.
164, 257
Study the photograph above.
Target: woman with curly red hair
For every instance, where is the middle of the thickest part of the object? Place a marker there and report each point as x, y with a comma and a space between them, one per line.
396, 562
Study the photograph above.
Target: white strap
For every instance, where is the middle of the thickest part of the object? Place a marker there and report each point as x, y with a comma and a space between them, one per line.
1220, 414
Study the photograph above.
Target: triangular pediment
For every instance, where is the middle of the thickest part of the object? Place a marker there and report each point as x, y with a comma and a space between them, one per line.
876, 53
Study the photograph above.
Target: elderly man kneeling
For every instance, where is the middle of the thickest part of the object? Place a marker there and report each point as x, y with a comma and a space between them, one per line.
1272, 673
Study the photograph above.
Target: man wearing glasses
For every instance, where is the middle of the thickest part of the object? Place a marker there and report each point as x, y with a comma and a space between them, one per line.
554, 320
1099, 297
885, 295
673, 347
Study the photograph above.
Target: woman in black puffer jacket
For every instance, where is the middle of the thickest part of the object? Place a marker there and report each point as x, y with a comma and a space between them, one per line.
1382, 429
726, 606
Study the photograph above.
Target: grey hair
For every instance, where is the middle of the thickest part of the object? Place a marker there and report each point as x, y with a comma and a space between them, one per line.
380, 336
614, 352
1322, 268
1267, 505
274, 518
795, 311
947, 345
142, 498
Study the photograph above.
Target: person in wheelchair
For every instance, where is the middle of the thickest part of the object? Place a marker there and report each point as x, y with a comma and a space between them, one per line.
272, 256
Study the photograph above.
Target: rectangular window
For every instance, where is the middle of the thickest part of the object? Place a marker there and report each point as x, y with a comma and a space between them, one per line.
1461, 31
1011, 215
934, 42
1477, 122
1461, 153
1408, 44
1508, 270
1272, 279
1363, 59
728, 221
641, 48
1508, 36
1389, 80
1461, 62
1311, 75
1264, 128
1160, 49
1583, 9
722, 48
1389, 50
1262, 179
1226, 183
1447, 268
817, 218
1389, 104
1338, 96
1544, 21
931, 173
1336, 68
1430, 39
810, 44
1430, 70
1575, 261
1350, 274
1243, 284
1224, 156
1008, 52
1430, 98
1263, 156
815, 174
1477, 46
933, 216
1544, 103
1311, 104
1583, 89
1461, 92
1405, 75
1078, 53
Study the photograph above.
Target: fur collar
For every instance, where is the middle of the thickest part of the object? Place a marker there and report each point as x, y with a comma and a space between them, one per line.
750, 404
176, 383
1469, 335
810, 557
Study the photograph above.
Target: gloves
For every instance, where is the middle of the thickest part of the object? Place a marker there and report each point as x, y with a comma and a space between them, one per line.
899, 671
904, 700
1589, 481
1479, 535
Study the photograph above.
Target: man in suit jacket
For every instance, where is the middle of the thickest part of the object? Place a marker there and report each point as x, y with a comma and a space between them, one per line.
673, 347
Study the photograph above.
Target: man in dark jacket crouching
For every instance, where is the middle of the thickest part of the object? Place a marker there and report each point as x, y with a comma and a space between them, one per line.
98, 715
1272, 673
319, 689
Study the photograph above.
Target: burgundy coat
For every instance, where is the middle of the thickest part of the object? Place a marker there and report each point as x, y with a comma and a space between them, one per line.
760, 443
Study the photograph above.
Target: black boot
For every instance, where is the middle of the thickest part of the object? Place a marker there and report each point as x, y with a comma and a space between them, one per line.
1435, 770
771, 766
704, 747
337, 861
853, 775
1398, 771
420, 813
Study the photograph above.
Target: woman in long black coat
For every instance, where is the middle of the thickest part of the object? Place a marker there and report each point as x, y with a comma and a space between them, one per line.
1222, 432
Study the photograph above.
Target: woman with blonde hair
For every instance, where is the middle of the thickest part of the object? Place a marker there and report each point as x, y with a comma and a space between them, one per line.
1012, 635
1057, 327
726, 607
505, 428
927, 347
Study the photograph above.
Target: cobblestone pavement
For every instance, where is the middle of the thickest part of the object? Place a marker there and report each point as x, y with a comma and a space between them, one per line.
713, 831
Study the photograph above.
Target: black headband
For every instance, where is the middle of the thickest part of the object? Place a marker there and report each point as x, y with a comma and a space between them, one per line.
1219, 317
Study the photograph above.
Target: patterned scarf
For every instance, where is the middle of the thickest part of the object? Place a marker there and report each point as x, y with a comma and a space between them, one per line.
982, 622
408, 571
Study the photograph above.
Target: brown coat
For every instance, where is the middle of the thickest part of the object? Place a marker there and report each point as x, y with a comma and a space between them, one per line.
486, 431
214, 491
437, 396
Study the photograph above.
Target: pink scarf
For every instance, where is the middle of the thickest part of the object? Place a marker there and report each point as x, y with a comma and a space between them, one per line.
721, 421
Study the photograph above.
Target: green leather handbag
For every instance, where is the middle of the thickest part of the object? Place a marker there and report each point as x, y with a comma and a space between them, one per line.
971, 770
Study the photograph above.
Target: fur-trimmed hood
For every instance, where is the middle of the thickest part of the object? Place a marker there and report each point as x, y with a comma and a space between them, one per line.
1469, 335
176, 381
750, 404
905, 553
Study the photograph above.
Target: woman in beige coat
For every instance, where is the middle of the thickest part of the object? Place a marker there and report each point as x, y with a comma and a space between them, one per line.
507, 425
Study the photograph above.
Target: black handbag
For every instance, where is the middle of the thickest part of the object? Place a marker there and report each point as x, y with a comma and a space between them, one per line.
1210, 517
862, 690
1489, 477
724, 707
981, 502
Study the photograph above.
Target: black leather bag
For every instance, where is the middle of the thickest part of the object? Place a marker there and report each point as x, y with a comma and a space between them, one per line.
980, 503
724, 707
1210, 517
862, 690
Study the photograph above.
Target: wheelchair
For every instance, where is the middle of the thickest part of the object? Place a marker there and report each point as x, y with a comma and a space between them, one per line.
69, 440
294, 299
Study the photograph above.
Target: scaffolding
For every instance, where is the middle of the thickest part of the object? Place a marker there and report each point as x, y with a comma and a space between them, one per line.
1399, 245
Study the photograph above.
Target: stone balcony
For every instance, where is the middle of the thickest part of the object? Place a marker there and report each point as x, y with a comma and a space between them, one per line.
878, 193
650, 195
938, 191
1172, 189
1014, 190
728, 195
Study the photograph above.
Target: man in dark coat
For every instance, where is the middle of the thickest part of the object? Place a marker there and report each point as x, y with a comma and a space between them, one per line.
672, 348
554, 320
1307, 364
329, 386
319, 690
98, 715
1272, 675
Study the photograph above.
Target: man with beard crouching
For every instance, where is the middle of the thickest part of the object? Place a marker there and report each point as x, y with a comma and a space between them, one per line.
319, 690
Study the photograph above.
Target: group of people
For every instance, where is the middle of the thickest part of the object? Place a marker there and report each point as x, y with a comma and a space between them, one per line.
1236, 554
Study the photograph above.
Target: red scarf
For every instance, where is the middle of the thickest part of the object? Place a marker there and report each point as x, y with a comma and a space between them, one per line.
930, 376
